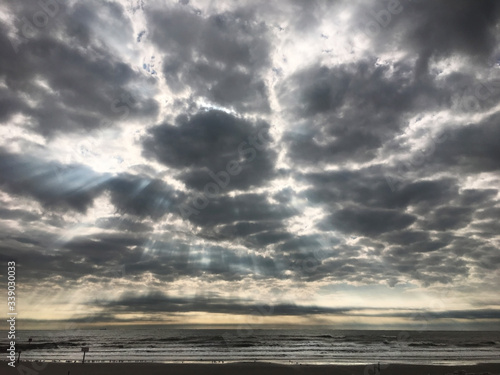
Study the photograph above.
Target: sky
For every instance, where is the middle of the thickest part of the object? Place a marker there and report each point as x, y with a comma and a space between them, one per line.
251, 163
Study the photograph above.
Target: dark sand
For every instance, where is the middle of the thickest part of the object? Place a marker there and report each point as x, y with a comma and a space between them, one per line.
238, 369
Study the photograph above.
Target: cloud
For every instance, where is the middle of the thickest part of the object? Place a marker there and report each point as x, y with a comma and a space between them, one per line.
445, 218
70, 84
368, 221
75, 187
370, 187
245, 207
432, 30
143, 196
122, 224
285, 147
52, 184
214, 147
158, 302
471, 148
22, 215
220, 57
352, 109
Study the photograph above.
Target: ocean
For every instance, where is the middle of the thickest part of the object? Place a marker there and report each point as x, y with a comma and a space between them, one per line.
312, 346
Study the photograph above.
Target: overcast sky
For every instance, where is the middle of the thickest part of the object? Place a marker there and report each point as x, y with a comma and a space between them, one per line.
252, 162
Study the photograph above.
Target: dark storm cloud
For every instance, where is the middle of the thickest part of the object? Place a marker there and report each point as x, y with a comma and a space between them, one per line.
486, 229
52, 184
369, 187
361, 202
472, 148
253, 234
336, 189
321, 90
488, 259
75, 187
324, 263
467, 314
88, 86
464, 245
16, 214
158, 302
9, 104
351, 110
488, 213
72, 76
440, 267
493, 314
310, 258
284, 196
100, 256
432, 29
241, 208
406, 237
439, 206
445, 218
103, 256
313, 244
455, 26
476, 247
269, 237
246, 228
290, 310
455, 157
247, 219
214, 147
420, 247
229, 265
143, 196
366, 221
477, 197
59, 268
221, 57
129, 254
122, 224
103, 248
171, 260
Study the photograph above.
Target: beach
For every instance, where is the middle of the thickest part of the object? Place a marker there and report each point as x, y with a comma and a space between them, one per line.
304, 346
242, 369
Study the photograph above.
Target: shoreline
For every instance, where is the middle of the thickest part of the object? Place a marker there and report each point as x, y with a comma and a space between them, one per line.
244, 368
256, 361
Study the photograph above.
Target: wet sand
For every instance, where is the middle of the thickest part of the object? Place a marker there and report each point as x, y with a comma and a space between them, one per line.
240, 369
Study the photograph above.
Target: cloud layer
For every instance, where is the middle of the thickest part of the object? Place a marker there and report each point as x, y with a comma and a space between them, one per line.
247, 153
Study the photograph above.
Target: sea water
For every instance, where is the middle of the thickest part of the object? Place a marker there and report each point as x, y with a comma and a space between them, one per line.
306, 346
